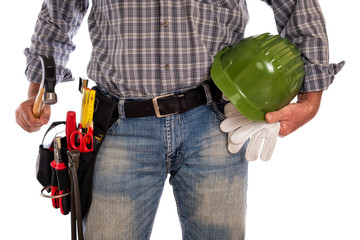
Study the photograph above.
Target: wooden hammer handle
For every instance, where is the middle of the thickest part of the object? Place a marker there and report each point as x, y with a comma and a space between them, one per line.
38, 104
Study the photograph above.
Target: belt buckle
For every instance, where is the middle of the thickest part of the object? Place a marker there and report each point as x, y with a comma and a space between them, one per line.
156, 106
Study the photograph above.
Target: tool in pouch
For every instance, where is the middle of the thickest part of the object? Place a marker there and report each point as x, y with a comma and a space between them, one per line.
82, 139
87, 106
77, 150
63, 181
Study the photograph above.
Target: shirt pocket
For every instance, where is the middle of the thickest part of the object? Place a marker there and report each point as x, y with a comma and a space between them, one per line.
230, 4
218, 23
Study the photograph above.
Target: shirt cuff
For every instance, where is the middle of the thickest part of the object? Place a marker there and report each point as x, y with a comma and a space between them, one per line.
33, 71
320, 77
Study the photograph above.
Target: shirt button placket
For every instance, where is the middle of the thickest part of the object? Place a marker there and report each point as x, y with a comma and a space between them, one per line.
165, 24
165, 46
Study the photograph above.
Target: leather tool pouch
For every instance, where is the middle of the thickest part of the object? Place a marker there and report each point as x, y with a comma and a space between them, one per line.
105, 115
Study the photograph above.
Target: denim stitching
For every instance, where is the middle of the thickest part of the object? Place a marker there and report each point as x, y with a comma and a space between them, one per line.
168, 143
179, 153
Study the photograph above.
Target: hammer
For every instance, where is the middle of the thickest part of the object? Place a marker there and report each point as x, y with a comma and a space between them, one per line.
46, 94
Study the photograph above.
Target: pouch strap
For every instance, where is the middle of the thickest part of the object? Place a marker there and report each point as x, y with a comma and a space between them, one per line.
76, 217
52, 126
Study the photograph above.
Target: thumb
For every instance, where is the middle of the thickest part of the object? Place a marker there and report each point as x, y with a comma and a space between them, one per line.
273, 117
45, 116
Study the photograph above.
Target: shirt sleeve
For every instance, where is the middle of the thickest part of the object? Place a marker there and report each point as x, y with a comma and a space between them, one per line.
302, 22
57, 23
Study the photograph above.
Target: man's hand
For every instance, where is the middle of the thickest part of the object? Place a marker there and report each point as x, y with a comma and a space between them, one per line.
24, 116
262, 135
295, 115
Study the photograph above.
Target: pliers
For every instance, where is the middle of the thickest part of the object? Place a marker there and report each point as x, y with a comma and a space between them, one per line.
63, 182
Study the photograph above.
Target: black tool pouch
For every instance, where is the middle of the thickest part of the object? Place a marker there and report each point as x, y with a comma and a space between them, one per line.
44, 159
105, 115
43, 168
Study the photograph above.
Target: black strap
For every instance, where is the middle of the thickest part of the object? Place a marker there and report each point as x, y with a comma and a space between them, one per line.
173, 104
52, 126
76, 216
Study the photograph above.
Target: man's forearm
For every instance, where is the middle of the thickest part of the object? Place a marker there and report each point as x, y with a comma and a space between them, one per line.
312, 99
295, 115
33, 89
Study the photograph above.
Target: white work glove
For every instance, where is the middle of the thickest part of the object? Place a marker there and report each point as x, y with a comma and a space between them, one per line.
240, 129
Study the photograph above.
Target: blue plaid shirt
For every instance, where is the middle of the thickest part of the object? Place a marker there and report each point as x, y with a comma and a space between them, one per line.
148, 48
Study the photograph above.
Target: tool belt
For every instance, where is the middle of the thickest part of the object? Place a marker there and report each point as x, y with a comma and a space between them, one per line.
70, 181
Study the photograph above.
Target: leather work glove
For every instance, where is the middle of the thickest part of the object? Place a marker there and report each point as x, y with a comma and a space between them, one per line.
240, 129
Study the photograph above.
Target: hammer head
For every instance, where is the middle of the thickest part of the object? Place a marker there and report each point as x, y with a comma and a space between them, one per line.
48, 79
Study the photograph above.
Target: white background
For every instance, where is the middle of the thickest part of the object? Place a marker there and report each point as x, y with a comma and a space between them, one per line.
308, 190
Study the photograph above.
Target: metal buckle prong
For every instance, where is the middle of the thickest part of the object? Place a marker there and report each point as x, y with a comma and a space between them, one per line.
156, 106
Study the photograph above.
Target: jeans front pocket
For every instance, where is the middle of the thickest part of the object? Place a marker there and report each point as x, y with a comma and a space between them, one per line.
217, 107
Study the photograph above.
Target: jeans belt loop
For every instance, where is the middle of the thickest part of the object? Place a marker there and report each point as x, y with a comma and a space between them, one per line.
209, 99
121, 108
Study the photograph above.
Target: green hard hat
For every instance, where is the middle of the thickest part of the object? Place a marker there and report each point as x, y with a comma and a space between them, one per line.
260, 74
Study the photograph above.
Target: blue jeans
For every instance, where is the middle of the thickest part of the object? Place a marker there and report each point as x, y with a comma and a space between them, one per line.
209, 183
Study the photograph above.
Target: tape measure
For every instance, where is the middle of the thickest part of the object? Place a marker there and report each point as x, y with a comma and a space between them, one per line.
87, 108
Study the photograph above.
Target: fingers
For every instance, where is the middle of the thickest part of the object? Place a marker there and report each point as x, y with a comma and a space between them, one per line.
270, 141
286, 119
25, 118
27, 121
273, 117
290, 117
295, 115
242, 134
263, 142
230, 110
45, 116
232, 123
232, 147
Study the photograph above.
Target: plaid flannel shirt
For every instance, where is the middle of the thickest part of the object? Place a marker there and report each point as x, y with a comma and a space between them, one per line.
148, 48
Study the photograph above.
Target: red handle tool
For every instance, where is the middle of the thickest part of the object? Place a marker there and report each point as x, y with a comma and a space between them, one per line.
62, 178
70, 126
54, 185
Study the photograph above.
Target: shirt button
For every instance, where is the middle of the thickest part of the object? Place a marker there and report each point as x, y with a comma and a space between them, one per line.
165, 23
167, 66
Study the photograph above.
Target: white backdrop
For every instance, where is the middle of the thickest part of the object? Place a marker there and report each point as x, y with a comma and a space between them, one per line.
308, 190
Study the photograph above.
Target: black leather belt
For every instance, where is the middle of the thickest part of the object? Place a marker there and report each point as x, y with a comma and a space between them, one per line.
169, 104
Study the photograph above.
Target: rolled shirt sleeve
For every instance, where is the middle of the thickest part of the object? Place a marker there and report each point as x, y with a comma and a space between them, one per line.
57, 23
302, 22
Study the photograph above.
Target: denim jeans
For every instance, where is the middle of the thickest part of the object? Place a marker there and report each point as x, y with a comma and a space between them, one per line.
209, 183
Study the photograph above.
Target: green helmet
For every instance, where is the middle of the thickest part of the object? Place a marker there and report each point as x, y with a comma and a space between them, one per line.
260, 74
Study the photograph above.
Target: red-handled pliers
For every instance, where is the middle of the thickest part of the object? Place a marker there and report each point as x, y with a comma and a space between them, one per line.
62, 179
54, 185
